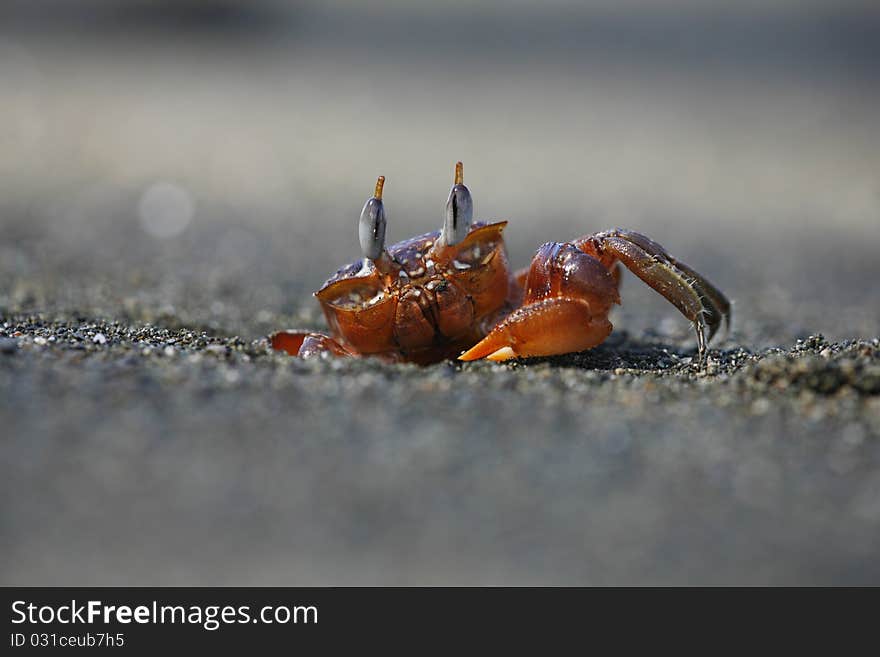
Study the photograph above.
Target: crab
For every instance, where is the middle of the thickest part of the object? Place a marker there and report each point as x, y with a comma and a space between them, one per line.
451, 293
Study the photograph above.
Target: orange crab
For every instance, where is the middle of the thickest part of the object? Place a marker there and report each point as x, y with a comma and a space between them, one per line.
450, 293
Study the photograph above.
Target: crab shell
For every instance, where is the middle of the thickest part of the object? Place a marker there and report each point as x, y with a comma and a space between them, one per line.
435, 302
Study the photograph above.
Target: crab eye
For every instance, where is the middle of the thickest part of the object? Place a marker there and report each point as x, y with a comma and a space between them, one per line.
459, 211
371, 227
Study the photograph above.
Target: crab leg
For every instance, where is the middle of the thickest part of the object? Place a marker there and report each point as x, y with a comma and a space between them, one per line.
306, 344
694, 296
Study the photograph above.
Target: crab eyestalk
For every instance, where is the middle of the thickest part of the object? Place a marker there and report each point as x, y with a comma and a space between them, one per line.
371, 230
459, 211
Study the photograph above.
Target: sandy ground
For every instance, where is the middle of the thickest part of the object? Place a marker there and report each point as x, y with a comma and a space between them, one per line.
167, 199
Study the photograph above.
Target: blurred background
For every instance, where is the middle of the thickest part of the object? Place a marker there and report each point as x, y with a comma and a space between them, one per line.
202, 164
180, 152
